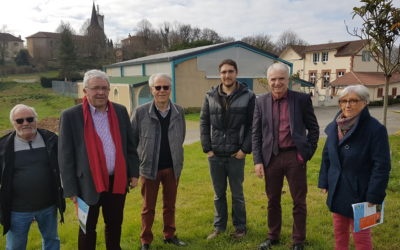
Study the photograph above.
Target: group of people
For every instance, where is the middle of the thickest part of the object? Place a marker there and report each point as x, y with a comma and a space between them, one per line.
101, 153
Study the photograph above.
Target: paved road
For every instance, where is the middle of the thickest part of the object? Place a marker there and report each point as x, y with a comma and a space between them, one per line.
324, 116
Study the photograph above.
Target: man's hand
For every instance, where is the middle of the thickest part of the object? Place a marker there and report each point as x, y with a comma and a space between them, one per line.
210, 154
133, 182
239, 155
259, 169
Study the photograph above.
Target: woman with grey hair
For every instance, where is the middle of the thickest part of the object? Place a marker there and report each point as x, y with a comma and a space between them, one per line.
355, 164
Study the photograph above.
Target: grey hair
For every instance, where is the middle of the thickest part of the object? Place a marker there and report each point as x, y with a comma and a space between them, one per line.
94, 73
22, 106
279, 67
360, 90
164, 76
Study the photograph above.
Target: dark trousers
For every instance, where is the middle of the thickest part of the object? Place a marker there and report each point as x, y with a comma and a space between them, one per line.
113, 212
149, 193
286, 164
222, 170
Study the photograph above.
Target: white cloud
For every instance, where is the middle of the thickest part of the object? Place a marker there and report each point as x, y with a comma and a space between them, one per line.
315, 21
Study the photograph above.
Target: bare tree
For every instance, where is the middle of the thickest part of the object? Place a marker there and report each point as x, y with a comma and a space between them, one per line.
288, 38
261, 41
210, 35
83, 30
185, 33
144, 30
380, 30
165, 35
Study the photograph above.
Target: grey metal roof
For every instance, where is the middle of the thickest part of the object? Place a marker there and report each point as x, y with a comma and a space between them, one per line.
174, 55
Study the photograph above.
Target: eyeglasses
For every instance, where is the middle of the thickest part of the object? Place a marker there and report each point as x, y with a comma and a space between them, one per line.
21, 120
158, 88
350, 101
231, 71
98, 88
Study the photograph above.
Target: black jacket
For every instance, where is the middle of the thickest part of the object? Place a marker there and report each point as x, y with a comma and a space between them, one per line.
6, 173
225, 122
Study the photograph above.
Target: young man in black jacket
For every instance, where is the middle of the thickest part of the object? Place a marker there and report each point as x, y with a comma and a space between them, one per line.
225, 130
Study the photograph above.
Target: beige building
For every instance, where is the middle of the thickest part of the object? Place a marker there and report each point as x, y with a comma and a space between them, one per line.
193, 72
10, 45
44, 47
322, 64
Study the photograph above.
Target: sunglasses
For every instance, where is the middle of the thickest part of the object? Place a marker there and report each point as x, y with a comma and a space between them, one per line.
158, 88
21, 120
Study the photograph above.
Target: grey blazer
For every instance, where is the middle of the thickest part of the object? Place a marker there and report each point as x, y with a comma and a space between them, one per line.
74, 164
304, 127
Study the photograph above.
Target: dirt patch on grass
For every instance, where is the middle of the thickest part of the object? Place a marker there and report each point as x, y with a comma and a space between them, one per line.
49, 123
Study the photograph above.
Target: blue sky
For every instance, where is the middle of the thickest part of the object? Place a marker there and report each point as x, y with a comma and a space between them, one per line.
315, 21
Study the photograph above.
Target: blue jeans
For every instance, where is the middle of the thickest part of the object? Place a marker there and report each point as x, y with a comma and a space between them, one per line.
46, 218
223, 169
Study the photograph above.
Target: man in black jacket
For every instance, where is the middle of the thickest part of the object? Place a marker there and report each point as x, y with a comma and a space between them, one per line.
225, 129
30, 186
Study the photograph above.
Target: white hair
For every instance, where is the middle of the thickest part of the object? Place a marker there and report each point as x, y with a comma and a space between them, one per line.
94, 73
360, 90
279, 67
22, 106
164, 76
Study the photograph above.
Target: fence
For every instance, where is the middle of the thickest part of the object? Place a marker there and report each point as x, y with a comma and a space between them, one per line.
65, 88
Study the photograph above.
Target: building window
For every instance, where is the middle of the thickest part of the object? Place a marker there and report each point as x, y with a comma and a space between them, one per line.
366, 56
394, 92
326, 79
380, 92
313, 77
324, 56
116, 94
340, 73
315, 57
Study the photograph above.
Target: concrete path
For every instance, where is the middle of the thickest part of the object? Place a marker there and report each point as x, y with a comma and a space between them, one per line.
324, 115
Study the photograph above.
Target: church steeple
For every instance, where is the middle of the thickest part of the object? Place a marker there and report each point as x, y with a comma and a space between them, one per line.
93, 20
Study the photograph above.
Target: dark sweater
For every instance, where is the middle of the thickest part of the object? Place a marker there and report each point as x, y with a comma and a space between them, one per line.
165, 159
32, 182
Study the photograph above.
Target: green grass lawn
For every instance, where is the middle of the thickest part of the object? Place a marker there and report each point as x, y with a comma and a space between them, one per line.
194, 216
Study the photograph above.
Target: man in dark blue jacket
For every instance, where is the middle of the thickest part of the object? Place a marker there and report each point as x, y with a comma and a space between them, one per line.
225, 128
30, 186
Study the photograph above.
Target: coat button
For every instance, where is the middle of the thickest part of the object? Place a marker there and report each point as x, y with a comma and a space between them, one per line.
347, 147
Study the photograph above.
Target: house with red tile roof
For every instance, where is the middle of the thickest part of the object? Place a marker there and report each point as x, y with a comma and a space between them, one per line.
326, 64
375, 81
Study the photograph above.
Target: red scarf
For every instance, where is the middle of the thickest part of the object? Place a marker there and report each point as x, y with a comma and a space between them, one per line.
97, 159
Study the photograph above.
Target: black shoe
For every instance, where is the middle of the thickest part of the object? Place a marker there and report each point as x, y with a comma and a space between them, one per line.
174, 240
145, 247
299, 246
267, 244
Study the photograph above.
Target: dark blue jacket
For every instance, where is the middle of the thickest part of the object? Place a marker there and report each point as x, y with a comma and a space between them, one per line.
357, 168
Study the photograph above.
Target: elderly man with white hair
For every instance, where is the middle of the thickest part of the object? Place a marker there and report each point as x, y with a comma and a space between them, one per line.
30, 186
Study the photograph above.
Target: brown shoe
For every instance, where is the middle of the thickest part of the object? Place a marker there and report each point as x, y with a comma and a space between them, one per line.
238, 234
214, 234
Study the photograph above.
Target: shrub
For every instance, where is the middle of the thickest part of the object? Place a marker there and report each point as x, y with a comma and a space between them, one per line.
46, 82
192, 110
